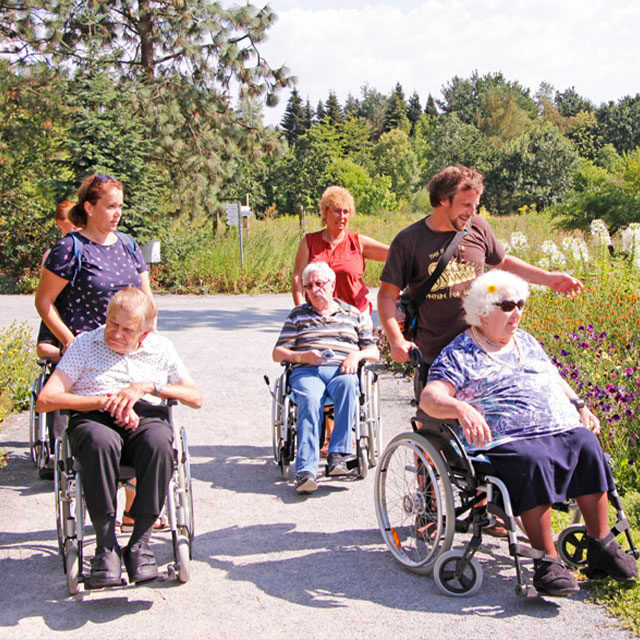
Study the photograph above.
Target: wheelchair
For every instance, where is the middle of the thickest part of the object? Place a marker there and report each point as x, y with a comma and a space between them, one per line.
367, 429
71, 515
38, 432
428, 488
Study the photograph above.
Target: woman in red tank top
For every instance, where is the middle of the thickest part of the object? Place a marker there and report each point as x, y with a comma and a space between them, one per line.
345, 252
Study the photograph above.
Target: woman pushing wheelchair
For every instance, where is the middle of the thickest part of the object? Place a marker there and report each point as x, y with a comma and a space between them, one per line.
511, 403
325, 339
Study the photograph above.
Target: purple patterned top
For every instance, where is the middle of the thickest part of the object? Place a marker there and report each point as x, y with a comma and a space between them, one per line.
105, 269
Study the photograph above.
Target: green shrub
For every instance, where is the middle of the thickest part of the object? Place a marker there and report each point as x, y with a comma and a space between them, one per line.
18, 367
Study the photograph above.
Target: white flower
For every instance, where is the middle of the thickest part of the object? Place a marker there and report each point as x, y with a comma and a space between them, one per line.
544, 263
631, 242
519, 240
599, 230
578, 248
549, 247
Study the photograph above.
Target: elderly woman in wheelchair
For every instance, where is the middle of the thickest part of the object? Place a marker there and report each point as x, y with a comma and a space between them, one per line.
511, 404
115, 381
325, 340
502, 434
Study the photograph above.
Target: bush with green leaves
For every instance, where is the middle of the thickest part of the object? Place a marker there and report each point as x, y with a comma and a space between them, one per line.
18, 367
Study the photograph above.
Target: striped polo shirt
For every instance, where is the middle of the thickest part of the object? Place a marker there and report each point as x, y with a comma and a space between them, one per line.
344, 331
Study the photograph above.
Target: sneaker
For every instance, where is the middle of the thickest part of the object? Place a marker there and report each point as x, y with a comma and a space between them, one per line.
306, 482
605, 557
337, 464
553, 578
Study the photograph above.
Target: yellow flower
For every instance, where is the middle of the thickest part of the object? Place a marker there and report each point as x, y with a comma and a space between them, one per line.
492, 288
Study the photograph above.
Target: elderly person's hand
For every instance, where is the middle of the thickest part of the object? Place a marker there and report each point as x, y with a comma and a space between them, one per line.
476, 430
350, 363
313, 356
589, 420
121, 403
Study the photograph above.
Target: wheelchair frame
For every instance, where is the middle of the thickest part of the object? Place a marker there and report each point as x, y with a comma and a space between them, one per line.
38, 432
71, 517
428, 488
367, 426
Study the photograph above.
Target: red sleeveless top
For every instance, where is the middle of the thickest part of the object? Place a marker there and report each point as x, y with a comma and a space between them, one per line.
348, 263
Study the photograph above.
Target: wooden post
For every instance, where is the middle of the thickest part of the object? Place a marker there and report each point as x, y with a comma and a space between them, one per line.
303, 223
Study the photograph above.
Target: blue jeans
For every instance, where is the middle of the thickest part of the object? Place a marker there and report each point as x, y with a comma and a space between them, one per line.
311, 386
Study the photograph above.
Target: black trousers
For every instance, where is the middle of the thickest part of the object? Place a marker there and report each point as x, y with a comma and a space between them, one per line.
101, 447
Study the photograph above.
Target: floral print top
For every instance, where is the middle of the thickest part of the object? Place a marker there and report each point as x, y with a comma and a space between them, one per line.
519, 398
104, 270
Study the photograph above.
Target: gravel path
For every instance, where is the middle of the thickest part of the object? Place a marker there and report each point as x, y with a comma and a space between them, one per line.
267, 563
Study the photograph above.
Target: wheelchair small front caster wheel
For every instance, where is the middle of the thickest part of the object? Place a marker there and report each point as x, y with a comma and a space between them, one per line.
572, 545
457, 577
526, 591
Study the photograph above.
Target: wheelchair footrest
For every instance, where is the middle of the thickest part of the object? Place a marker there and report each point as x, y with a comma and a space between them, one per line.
525, 551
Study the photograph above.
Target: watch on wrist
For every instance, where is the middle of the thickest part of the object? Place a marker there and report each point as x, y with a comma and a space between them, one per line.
298, 357
157, 388
578, 403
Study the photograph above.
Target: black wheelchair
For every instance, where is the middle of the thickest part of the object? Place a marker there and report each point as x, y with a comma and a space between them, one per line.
72, 521
428, 488
366, 429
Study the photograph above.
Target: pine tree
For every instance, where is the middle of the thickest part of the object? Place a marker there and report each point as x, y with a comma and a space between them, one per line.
333, 111
309, 116
414, 109
395, 115
293, 121
320, 112
430, 108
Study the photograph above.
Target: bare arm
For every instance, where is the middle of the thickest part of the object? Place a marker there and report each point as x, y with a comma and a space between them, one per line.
48, 290
589, 420
49, 352
302, 259
399, 347
146, 284
372, 249
55, 395
351, 362
284, 354
438, 400
556, 280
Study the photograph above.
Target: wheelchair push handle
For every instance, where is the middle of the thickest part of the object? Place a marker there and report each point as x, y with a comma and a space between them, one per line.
415, 356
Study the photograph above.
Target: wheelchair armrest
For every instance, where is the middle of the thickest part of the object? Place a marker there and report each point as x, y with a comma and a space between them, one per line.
171, 402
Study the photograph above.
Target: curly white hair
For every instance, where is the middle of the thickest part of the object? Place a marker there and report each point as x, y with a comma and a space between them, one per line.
488, 289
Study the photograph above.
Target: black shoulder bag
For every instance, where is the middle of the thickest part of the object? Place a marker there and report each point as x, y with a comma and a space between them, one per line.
408, 305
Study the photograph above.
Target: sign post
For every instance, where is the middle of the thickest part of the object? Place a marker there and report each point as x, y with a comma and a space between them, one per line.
234, 218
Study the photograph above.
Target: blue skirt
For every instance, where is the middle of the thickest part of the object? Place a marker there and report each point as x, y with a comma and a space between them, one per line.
552, 468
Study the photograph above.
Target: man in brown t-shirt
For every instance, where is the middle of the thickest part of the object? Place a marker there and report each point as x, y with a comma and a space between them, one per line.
414, 253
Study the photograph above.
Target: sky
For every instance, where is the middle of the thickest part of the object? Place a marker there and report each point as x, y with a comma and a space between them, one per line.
341, 45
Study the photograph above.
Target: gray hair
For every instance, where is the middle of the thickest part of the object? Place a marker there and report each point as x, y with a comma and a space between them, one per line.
488, 289
320, 267
137, 304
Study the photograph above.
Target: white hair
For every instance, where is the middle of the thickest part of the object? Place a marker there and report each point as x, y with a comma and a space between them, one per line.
488, 289
320, 267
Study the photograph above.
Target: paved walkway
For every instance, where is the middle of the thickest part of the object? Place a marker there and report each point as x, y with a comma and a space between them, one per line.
267, 563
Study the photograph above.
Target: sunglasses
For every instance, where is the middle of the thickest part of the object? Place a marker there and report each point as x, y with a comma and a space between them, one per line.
103, 177
318, 284
509, 305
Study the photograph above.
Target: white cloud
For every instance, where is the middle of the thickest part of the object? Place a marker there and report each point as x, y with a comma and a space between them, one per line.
340, 46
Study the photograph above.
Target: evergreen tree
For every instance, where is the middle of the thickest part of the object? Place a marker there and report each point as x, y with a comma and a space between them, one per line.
414, 109
320, 112
293, 121
395, 114
430, 108
309, 116
333, 111
351, 106
372, 107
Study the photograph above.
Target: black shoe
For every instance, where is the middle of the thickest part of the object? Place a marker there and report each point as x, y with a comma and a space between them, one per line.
337, 464
553, 578
306, 482
605, 557
106, 569
140, 563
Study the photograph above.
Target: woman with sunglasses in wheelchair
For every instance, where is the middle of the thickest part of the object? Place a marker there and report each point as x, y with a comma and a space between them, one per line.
325, 339
511, 403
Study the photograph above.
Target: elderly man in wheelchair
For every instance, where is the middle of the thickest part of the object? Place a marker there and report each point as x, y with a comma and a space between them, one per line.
496, 403
325, 339
114, 380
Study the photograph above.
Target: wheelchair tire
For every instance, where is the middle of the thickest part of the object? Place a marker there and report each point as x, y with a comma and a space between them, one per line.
277, 421
187, 496
414, 502
445, 575
33, 425
72, 569
182, 549
363, 461
373, 421
572, 546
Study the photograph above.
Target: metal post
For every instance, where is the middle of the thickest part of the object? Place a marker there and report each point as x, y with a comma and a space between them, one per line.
240, 232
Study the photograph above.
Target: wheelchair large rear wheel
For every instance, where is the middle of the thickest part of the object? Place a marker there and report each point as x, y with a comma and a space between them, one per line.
33, 425
187, 495
277, 418
414, 502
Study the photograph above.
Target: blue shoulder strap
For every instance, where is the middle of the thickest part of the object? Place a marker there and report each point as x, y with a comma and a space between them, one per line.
78, 248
